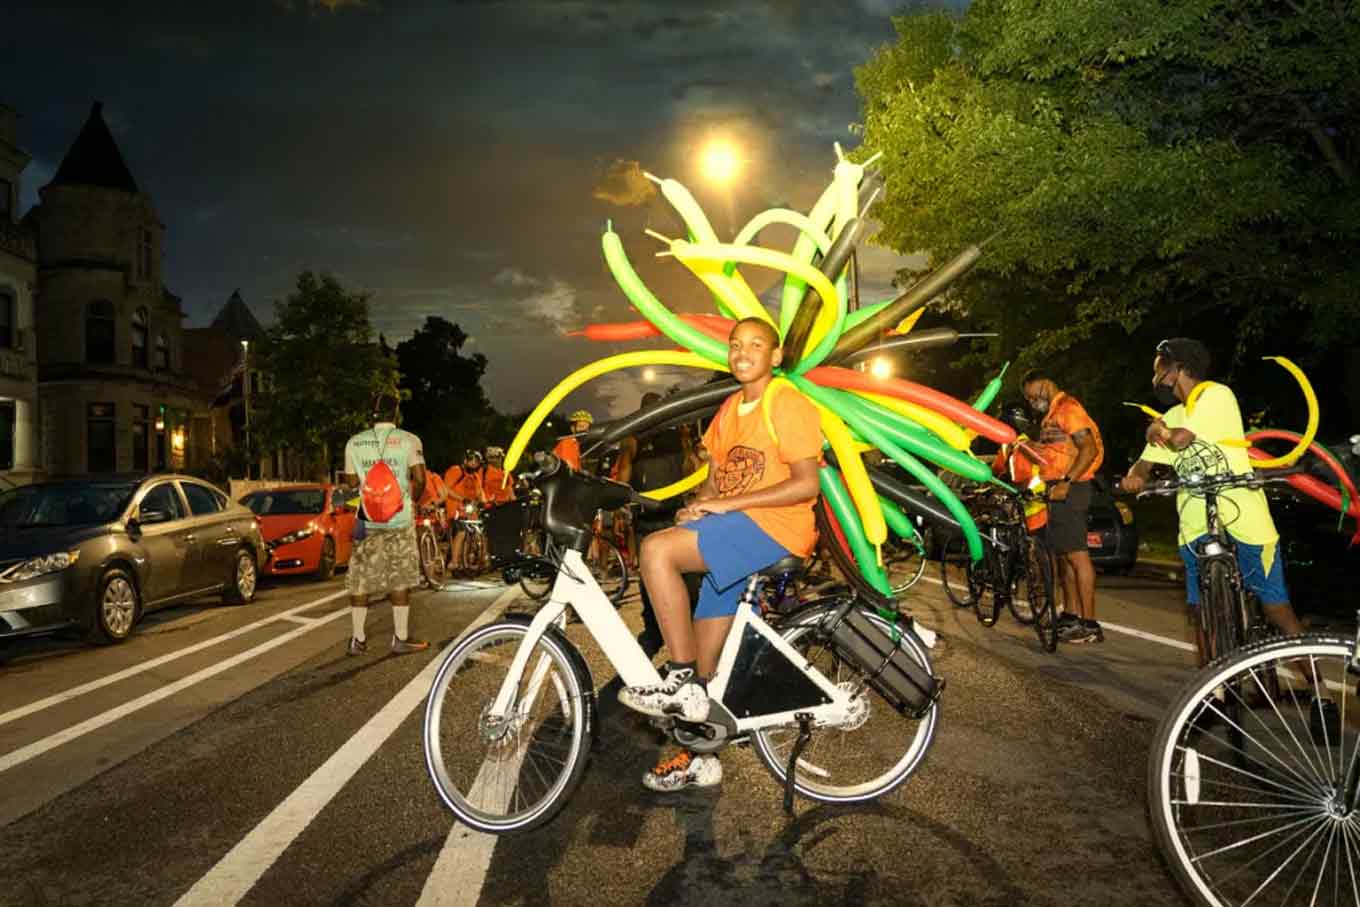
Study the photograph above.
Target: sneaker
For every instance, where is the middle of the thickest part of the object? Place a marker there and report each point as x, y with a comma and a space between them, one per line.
1067, 619
407, 646
356, 646
1081, 631
683, 770
679, 694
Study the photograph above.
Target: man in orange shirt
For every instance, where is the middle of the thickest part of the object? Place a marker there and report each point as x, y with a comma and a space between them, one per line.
465, 485
436, 493
494, 486
754, 508
1064, 419
568, 449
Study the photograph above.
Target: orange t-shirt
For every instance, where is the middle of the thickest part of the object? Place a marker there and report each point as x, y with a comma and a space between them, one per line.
434, 488
1065, 417
744, 458
568, 450
465, 485
491, 485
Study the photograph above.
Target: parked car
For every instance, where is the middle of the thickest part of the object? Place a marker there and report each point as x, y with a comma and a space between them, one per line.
97, 553
306, 528
1111, 536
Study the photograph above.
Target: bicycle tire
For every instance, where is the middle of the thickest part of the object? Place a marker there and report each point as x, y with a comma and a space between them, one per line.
831, 778
1037, 581
611, 571
844, 560
1223, 616
474, 771
1302, 753
908, 560
956, 586
432, 565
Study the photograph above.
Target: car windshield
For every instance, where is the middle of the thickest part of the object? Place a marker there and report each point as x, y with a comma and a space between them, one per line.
65, 504
297, 500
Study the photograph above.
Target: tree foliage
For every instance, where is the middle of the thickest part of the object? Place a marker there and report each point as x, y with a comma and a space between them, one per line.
447, 407
1143, 168
321, 369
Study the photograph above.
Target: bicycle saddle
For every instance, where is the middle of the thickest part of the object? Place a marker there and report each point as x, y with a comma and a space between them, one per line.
791, 564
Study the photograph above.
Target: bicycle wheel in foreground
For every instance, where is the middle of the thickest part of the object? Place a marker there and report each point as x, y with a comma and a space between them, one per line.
865, 759
1272, 820
511, 775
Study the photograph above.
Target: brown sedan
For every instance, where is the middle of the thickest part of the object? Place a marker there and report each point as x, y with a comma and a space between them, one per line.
97, 553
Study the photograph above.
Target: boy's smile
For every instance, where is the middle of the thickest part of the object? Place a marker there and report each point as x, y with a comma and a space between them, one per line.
753, 352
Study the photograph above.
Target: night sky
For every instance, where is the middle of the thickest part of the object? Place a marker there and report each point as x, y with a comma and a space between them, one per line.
453, 159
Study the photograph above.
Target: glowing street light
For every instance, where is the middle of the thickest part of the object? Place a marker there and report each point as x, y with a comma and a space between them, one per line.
881, 368
649, 375
720, 162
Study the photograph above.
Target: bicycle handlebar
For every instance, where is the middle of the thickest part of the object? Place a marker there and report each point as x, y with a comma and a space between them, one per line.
548, 465
1218, 482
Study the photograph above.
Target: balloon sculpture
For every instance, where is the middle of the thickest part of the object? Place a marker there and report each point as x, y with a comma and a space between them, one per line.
918, 428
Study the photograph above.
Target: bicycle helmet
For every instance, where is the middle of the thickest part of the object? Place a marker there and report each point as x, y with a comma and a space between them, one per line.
472, 454
494, 452
582, 415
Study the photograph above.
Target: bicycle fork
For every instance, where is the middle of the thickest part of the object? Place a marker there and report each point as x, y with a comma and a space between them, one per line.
1351, 792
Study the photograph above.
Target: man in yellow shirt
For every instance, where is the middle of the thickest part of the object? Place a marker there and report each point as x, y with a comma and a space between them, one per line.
1207, 411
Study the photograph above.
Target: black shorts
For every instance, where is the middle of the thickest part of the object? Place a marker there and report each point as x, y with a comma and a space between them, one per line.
1067, 519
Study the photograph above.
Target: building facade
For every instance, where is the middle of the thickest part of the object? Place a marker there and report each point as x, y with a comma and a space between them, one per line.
110, 339
18, 283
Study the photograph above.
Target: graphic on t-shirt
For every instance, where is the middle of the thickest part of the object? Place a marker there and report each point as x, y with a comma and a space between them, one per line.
744, 468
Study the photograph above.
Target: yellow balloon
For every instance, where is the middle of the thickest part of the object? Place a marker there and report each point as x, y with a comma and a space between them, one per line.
1310, 432
735, 295
942, 427
820, 216
693, 480
594, 370
768, 258
906, 324
856, 476
697, 222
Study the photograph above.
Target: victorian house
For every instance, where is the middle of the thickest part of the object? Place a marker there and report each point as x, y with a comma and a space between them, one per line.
110, 342
18, 280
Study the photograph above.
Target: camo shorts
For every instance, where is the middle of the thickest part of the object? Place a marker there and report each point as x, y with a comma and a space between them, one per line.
384, 561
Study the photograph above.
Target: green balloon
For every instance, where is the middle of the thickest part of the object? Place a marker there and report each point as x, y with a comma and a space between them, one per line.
844, 509
899, 522
989, 393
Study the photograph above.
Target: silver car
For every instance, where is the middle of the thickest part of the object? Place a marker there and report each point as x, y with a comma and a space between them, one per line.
97, 553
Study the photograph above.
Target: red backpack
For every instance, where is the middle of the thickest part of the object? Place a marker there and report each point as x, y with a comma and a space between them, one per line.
381, 493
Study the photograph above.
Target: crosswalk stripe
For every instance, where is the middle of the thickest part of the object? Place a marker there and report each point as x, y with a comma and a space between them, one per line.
237, 872
142, 667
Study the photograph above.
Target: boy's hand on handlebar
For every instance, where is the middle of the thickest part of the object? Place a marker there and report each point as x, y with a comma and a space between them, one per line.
1132, 484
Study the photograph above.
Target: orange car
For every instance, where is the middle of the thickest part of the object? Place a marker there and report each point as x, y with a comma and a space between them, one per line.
306, 529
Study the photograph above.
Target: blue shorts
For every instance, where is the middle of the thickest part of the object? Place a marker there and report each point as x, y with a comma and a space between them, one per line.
733, 547
1268, 587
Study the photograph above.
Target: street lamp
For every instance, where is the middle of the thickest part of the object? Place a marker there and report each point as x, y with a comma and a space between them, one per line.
649, 375
245, 394
881, 368
720, 162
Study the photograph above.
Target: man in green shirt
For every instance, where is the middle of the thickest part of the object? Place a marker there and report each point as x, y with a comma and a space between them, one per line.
1207, 411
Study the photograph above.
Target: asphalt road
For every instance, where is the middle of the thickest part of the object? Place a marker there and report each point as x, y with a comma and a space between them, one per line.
268, 768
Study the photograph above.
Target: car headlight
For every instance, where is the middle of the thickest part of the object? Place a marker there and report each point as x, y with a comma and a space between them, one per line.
1125, 513
299, 535
40, 566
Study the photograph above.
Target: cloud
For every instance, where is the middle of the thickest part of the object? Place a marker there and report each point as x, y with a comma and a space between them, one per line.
514, 277
623, 184
824, 80
555, 306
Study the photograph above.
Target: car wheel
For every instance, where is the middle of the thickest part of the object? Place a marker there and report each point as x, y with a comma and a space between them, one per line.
325, 568
116, 607
243, 580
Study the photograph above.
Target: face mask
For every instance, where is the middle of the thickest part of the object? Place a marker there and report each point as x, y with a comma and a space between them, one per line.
1165, 394
1039, 405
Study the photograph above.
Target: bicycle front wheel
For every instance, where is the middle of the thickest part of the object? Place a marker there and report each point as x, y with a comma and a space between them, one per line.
955, 568
1276, 823
877, 751
1036, 587
431, 558
514, 774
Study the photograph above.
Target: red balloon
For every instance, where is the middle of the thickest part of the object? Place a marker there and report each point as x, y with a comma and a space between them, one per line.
954, 408
715, 326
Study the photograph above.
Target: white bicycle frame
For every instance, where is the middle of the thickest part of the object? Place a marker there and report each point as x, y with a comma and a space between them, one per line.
575, 587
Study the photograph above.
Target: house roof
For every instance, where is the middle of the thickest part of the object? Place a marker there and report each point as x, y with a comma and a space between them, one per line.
94, 159
238, 320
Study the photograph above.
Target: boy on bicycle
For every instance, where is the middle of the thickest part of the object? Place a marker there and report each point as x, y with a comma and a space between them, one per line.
1207, 411
754, 509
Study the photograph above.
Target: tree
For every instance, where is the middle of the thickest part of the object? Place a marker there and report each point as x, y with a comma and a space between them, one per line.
1145, 169
322, 369
447, 408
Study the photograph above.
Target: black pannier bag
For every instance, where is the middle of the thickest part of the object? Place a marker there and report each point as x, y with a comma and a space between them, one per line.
504, 527
890, 668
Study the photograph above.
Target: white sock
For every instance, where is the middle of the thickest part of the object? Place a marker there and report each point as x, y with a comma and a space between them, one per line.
401, 621
357, 618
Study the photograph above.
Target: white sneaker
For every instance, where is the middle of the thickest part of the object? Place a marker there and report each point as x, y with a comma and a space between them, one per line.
679, 695
682, 771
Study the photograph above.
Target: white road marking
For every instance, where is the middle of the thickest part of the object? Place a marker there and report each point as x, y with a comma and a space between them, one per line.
293, 618
1118, 628
52, 741
142, 667
237, 872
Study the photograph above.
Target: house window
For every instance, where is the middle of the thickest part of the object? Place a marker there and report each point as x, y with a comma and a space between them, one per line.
139, 338
144, 255
100, 451
6, 200
7, 420
141, 437
162, 352
6, 319
99, 331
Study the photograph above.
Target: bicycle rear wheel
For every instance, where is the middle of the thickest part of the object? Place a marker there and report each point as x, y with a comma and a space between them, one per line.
866, 759
955, 567
905, 563
516, 774
1036, 585
1273, 824
610, 570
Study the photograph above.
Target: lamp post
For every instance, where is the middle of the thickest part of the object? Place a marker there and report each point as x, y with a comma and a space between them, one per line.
245, 394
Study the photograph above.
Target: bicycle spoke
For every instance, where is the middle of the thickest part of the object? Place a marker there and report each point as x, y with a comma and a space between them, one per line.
1241, 771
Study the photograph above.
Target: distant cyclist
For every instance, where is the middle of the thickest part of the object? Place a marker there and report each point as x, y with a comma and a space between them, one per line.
464, 485
568, 449
494, 484
1207, 411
